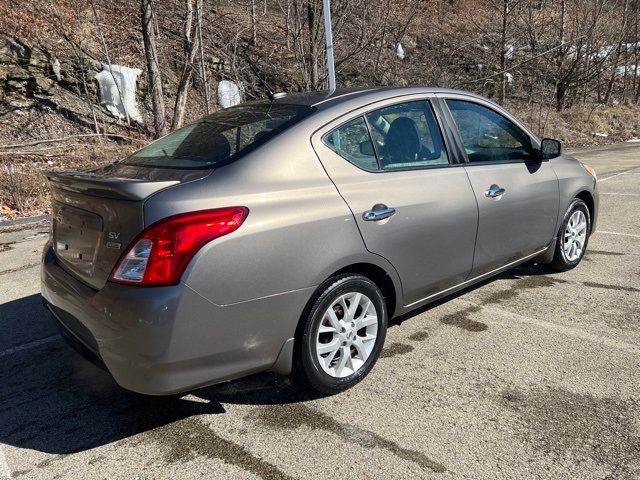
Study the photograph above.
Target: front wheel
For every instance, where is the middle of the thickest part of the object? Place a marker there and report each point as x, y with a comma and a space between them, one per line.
573, 237
342, 334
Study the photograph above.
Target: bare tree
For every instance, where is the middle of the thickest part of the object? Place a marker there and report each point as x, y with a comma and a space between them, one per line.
106, 54
203, 68
153, 69
254, 24
190, 48
618, 52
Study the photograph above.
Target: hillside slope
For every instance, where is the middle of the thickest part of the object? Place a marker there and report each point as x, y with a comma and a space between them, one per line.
567, 70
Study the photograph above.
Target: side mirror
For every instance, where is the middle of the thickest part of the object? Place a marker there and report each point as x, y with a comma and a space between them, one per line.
550, 148
366, 148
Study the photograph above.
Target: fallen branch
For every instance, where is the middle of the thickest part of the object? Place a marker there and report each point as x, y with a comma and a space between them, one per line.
62, 139
37, 152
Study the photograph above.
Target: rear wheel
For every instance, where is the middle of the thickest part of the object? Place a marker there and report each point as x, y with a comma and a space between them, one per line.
342, 334
573, 237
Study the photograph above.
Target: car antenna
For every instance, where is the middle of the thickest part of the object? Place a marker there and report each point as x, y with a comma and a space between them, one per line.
271, 94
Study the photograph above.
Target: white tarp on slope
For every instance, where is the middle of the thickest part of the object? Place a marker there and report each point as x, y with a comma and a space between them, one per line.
229, 93
123, 96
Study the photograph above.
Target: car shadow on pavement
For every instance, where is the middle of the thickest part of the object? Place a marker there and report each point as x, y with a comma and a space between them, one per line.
528, 269
52, 400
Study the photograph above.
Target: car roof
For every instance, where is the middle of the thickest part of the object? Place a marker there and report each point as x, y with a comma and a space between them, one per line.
325, 99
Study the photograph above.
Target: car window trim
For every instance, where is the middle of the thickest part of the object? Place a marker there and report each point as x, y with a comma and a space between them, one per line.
533, 139
429, 98
373, 142
454, 143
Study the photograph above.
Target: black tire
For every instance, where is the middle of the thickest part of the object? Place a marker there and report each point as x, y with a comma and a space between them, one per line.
307, 367
560, 261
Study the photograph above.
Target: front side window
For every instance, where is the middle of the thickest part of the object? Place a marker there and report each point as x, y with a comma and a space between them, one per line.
407, 136
221, 137
488, 136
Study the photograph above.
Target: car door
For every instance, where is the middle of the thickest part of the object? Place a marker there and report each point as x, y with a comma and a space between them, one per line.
413, 205
516, 191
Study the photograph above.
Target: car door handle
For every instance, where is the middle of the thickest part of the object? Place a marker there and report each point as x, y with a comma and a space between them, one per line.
378, 212
494, 191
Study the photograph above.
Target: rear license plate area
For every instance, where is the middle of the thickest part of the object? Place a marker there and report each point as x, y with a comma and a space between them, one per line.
76, 236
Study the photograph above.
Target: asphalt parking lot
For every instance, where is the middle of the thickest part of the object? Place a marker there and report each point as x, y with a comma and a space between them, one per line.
530, 375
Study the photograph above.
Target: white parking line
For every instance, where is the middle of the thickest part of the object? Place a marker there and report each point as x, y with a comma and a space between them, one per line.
618, 233
600, 180
628, 172
555, 327
29, 346
621, 194
5, 472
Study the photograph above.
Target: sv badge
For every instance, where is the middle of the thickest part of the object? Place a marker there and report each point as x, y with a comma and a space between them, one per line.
111, 244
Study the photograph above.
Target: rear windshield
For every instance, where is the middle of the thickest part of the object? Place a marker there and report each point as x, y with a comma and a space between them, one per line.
221, 137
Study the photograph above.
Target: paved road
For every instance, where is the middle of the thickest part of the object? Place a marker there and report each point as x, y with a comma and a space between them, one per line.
531, 375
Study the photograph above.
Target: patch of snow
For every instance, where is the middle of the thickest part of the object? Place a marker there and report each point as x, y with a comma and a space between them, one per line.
400, 51
633, 140
626, 69
229, 93
599, 134
509, 53
509, 77
119, 96
55, 66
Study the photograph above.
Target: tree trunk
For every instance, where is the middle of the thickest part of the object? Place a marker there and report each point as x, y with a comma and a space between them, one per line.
561, 88
314, 36
636, 50
190, 48
612, 77
203, 69
503, 51
153, 70
561, 92
254, 24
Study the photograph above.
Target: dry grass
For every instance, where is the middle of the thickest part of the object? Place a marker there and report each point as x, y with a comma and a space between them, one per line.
23, 184
578, 126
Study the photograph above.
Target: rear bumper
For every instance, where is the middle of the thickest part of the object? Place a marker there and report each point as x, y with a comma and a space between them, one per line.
165, 340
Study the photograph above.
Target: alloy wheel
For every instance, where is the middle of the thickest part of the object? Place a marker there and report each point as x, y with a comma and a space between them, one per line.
575, 235
347, 334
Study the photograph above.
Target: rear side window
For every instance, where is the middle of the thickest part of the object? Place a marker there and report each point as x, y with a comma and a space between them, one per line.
221, 137
488, 136
352, 142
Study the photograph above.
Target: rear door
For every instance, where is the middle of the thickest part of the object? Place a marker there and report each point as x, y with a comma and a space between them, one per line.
516, 191
412, 203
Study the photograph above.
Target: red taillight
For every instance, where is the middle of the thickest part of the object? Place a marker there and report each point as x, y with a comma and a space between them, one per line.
160, 254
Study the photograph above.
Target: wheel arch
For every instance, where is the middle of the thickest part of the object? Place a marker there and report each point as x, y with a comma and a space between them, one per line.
386, 280
380, 277
587, 198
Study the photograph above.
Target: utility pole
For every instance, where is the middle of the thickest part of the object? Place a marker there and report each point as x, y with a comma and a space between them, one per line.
328, 35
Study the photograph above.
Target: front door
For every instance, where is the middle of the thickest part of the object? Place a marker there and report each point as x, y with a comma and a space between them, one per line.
517, 193
412, 205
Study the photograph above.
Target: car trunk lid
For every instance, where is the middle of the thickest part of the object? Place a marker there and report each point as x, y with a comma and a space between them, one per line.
97, 213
